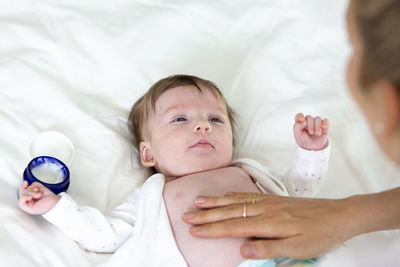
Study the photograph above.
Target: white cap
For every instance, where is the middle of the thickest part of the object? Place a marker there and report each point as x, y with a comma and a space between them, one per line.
53, 144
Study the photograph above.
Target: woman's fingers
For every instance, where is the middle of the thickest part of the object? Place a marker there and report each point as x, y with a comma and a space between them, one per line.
263, 226
232, 206
203, 202
239, 227
260, 249
213, 202
220, 214
230, 198
235, 228
274, 248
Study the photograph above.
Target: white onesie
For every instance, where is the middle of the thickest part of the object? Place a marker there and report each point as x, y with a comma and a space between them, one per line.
139, 225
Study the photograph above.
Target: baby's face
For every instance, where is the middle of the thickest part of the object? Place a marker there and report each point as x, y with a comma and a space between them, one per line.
189, 132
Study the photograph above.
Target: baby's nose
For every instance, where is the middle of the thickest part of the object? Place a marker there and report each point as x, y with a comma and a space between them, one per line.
202, 126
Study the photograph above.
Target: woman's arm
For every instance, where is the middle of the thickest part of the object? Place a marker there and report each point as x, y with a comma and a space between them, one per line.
294, 227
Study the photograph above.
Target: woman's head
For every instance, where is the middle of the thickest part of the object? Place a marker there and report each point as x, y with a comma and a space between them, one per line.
374, 68
378, 23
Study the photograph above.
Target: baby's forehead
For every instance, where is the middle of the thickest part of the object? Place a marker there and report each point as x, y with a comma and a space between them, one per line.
184, 97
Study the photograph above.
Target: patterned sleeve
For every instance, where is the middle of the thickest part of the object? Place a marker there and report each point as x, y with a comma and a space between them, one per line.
90, 228
307, 173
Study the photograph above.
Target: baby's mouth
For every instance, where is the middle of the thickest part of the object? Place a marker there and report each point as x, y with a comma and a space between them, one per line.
203, 143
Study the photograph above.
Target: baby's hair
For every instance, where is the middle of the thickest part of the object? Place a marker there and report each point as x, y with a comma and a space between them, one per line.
378, 22
147, 103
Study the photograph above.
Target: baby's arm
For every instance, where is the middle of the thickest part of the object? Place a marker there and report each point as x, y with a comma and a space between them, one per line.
86, 225
306, 175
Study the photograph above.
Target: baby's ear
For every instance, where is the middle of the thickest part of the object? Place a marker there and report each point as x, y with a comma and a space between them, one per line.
146, 155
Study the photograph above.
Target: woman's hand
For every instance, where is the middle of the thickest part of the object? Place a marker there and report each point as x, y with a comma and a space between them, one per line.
299, 228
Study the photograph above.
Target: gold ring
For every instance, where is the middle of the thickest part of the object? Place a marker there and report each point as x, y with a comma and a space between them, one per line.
253, 200
244, 210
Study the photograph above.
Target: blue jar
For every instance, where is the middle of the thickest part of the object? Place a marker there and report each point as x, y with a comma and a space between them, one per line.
51, 153
50, 172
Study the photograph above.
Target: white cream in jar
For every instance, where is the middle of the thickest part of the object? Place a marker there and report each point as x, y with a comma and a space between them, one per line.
48, 172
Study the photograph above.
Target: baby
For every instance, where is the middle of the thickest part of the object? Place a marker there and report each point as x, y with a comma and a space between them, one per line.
184, 131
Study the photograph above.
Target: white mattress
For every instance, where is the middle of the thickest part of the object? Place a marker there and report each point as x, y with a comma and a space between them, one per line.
78, 66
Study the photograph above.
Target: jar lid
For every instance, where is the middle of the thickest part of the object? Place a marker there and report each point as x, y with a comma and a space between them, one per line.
53, 144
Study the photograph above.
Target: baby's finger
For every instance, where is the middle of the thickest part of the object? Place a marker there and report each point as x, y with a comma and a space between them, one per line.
310, 124
325, 126
33, 191
317, 126
299, 117
299, 126
24, 200
25, 196
23, 186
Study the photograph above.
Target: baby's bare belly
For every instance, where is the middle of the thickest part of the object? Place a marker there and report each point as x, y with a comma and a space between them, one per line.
179, 195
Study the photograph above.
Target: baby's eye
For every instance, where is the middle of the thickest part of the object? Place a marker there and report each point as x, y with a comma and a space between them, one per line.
179, 119
215, 119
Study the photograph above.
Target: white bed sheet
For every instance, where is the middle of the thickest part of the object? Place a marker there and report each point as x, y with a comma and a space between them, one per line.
78, 66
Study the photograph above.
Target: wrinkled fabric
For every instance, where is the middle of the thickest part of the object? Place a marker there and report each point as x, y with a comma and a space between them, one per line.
77, 67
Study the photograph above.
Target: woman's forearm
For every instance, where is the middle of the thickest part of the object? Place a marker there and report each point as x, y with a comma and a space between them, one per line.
374, 212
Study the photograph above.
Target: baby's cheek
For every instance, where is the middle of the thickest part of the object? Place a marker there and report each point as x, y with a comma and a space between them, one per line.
226, 150
171, 159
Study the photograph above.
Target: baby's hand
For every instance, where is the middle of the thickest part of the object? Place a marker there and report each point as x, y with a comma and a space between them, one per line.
311, 133
36, 198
